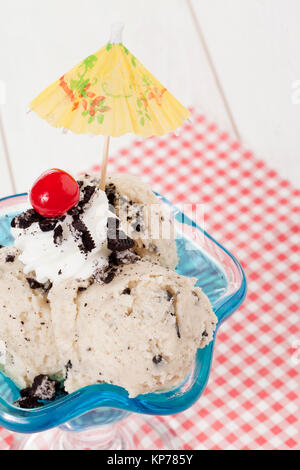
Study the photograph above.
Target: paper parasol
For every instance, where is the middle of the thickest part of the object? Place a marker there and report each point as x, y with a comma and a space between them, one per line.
110, 93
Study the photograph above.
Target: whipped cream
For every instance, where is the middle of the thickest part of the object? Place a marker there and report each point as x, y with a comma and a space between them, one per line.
55, 258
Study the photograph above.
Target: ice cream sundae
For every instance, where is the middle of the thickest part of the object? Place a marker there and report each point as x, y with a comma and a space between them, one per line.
89, 292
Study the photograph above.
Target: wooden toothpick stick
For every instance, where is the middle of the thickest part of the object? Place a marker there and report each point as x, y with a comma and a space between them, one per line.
104, 163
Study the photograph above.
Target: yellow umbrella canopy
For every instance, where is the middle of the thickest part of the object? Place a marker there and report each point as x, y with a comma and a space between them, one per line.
110, 93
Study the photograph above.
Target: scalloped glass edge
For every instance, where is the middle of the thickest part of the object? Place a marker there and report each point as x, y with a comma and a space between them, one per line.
110, 396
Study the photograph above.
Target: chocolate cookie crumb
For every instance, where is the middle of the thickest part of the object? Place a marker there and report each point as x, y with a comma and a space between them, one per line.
10, 259
47, 224
76, 211
157, 359
204, 333
25, 219
81, 229
28, 403
110, 191
25, 392
124, 257
47, 286
110, 276
88, 192
43, 387
104, 275
68, 366
33, 283
136, 227
88, 243
126, 291
119, 241
58, 235
79, 225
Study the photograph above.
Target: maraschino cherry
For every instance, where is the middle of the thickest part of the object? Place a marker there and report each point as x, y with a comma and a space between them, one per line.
54, 193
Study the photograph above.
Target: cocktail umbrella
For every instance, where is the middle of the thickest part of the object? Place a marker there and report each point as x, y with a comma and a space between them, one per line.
110, 93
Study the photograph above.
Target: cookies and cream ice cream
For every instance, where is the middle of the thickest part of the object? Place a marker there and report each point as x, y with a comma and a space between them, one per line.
141, 331
92, 296
25, 322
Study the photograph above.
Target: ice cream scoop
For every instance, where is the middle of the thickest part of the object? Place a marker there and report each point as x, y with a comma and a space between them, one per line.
72, 245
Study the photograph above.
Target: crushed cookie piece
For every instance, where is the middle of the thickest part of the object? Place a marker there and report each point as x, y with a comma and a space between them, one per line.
75, 211
47, 286
125, 257
110, 276
43, 387
10, 259
25, 219
88, 192
88, 243
118, 241
68, 366
25, 392
47, 224
110, 191
136, 227
126, 291
157, 359
28, 403
82, 231
78, 225
33, 283
104, 275
58, 235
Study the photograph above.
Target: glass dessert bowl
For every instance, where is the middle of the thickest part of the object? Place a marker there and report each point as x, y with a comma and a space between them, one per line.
105, 406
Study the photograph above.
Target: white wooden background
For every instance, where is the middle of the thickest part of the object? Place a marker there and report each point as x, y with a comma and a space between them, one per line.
238, 61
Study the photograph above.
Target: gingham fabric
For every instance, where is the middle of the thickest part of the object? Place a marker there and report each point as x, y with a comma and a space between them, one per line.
252, 398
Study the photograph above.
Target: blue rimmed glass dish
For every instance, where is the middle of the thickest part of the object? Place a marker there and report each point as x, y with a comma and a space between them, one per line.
220, 276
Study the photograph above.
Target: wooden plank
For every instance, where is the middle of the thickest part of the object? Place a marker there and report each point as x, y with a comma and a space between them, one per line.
254, 48
45, 39
6, 184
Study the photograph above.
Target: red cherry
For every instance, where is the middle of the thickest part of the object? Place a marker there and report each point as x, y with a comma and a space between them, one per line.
54, 193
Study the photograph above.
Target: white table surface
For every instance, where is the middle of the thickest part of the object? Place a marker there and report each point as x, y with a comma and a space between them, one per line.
237, 61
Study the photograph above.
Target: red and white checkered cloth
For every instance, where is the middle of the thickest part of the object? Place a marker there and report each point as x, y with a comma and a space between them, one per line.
252, 399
